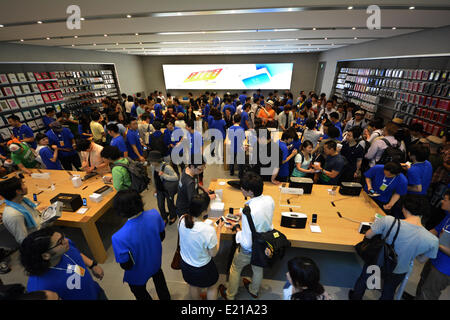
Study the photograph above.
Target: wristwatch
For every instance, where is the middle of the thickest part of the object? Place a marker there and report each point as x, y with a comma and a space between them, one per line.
94, 263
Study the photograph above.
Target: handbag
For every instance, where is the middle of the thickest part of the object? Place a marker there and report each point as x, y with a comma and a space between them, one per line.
376, 251
266, 246
176, 261
170, 186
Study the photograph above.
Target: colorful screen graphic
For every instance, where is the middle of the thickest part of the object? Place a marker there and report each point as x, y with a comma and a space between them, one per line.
228, 76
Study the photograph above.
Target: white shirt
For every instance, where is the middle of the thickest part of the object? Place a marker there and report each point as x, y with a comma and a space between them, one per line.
14, 222
94, 155
195, 243
377, 133
128, 106
377, 148
262, 208
327, 112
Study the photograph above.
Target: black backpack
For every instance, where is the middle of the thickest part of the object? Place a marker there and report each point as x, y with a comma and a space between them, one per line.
138, 174
392, 153
275, 241
158, 144
376, 251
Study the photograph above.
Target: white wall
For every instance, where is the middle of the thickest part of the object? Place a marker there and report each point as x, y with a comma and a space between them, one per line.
435, 41
129, 68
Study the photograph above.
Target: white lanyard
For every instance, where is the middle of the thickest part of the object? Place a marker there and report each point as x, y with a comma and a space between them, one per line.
384, 181
62, 268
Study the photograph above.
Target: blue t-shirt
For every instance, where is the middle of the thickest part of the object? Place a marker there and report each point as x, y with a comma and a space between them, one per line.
57, 279
62, 140
210, 120
289, 102
134, 111
219, 125
196, 140
140, 237
420, 174
230, 107
206, 111
158, 111
398, 184
180, 108
244, 117
242, 98
236, 141
284, 168
47, 121
23, 132
168, 138
119, 142
133, 139
339, 127
296, 144
81, 131
46, 154
216, 101
442, 261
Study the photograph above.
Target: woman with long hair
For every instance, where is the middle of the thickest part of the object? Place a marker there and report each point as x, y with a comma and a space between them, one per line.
303, 160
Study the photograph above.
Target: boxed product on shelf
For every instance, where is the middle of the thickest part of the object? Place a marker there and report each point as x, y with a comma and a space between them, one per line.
46, 98
40, 123
13, 104
12, 78
48, 86
34, 88
52, 75
3, 79
55, 85
31, 102
444, 105
26, 89
434, 102
44, 75
27, 115
33, 125
52, 96
22, 102
4, 106
442, 117
17, 90
41, 87
59, 95
30, 76
37, 76
429, 114
428, 102
38, 99
8, 92
36, 113
21, 77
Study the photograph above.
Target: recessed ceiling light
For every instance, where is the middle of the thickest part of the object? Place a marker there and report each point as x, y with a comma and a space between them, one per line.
82, 19
76, 37
350, 8
140, 42
136, 34
47, 38
314, 28
393, 28
94, 44
178, 13
106, 49
1, 26
326, 38
105, 35
309, 44
129, 16
73, 45
355, 38
412, 8
21, 40
117, 43
40, 22
353, 28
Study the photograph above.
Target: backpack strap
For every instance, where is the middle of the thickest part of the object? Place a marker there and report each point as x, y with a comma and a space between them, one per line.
249, 219
396, 234
387, 142
389, 232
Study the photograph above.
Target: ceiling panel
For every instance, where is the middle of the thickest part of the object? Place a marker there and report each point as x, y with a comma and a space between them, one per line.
332, 20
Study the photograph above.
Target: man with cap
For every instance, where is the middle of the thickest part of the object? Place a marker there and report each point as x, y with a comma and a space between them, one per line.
22, 155
266, 113
64, 140
165, 181
435, 158
358, 121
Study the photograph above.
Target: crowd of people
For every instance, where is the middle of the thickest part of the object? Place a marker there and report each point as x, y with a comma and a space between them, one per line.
404, 170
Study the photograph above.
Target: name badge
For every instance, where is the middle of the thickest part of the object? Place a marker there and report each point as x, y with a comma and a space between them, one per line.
79, 270
383, 187
61, 143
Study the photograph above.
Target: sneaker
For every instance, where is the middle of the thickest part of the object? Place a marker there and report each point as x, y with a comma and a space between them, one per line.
246, 285
223, 291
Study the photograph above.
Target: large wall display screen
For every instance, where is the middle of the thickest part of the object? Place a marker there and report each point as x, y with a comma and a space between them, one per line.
228, 76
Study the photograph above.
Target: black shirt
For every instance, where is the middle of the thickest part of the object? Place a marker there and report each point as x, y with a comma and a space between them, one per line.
187, 188
267, 150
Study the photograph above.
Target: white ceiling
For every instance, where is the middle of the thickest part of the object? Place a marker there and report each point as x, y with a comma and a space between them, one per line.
213, 26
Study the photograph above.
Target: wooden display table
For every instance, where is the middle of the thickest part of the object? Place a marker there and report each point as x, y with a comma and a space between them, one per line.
86, 222
337, 234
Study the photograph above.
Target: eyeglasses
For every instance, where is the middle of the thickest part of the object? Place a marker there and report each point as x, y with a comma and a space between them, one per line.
59, 242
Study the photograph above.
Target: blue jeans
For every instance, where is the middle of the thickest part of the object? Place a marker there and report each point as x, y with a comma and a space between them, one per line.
391, 282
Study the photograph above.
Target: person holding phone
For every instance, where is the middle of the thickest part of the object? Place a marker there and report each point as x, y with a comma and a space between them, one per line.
137, 245
199, 242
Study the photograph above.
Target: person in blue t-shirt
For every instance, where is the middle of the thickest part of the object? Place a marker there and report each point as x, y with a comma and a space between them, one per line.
21, 131
49, 156
217, 123
386, 184
286, 139
420, 172
334, 118
435, 276
117, 139
237, 155
229, 106
215, 100
243, 97
134, 111
196, 139
137, 245
135, 150
65, 142
244, 116
158, 109
168, 139
54, 263
49, 117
